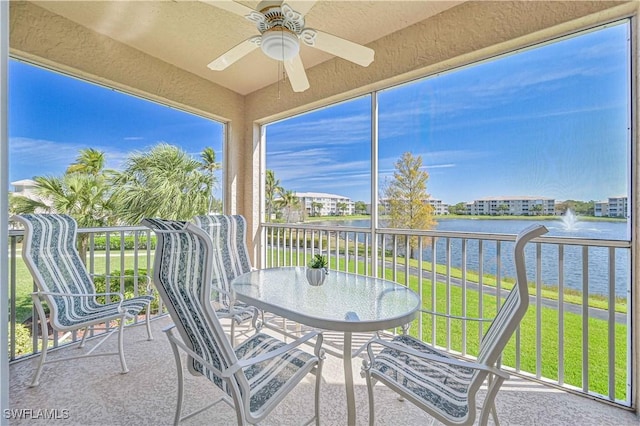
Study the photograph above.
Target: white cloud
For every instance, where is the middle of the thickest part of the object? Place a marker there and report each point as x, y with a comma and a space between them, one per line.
39, 157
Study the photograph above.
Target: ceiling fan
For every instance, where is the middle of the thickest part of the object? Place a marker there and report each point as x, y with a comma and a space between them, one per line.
282, 28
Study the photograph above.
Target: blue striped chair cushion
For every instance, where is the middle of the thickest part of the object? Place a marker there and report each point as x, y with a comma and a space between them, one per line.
267, 378
441, 385
240, 313
228, 234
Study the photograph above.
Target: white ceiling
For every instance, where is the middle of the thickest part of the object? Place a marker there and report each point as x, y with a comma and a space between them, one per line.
190, 34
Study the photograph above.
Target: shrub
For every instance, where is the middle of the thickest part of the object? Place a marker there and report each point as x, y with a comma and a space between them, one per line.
100, 242
22, 340
129, 285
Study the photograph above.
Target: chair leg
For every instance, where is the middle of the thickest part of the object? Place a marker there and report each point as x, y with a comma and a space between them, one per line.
232, 333
489, 406
176, 356
45, 340
85, 333
148, 322
370, 384
123, 362
319, 352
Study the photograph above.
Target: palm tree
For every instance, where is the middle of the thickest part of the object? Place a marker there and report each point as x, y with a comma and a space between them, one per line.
316, 208
210, 166
271, 190
83, 196
90, 161
163, 182
288, 200
341, 207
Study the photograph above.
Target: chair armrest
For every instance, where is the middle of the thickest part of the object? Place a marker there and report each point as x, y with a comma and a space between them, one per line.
222, 290
244, 363
179, 343
84, 295
440, 314
441, 359
52, 293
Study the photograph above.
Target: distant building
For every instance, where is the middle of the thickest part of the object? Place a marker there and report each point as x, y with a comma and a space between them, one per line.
613, 207
25, 188
439, 208
322, 204
512, 206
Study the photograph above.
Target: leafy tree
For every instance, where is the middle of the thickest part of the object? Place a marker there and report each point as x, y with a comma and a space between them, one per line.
211, 166
407, 195
360, 207
459, 208
537, 209
582, 208
163, 182
503, 209
272, 189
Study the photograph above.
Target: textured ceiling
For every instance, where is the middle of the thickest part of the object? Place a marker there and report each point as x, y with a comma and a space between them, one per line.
190, 34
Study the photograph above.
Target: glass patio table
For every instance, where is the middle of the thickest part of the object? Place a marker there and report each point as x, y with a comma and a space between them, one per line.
345, 303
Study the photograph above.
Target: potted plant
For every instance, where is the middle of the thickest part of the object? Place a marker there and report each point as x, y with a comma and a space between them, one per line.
317, 270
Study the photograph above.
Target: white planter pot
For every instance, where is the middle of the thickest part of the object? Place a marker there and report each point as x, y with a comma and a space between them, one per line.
316, 277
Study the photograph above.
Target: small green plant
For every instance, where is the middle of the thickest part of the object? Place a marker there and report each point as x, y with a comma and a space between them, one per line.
318, 262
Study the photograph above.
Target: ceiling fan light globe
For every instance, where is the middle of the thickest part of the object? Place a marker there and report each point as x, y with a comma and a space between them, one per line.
280, 45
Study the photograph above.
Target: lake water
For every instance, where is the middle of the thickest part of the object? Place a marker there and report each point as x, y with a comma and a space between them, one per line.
598, 258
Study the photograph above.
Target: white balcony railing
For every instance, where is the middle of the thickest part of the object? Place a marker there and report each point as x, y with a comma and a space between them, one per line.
576, 334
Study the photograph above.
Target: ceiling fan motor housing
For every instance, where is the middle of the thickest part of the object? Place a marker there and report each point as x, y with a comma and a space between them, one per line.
280, 44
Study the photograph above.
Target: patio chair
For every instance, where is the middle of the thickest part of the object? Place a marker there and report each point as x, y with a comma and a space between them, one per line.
228, 233
253, 376
444, 386
67, 288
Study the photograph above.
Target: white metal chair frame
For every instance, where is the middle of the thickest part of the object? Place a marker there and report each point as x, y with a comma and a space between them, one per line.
412, 368
183, 270
228, 233
67, 289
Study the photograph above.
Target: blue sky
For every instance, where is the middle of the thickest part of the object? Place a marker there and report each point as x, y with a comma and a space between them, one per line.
550, 121
52, 117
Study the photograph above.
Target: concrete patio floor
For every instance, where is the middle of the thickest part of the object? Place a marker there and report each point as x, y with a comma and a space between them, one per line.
95, 393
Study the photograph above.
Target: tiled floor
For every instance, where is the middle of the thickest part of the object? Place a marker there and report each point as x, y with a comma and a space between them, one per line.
94, 393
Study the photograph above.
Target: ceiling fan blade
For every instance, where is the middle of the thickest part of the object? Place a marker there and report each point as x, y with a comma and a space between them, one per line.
301, 6
345, 49
296, 73
234, 54
230, 6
